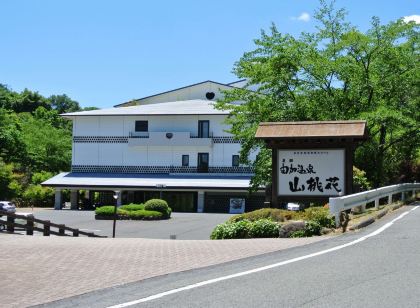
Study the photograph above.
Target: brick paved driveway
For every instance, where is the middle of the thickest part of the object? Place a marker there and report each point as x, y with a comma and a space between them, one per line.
36, 269
185, 226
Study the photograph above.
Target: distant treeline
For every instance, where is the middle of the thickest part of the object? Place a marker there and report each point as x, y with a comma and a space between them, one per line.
35, 143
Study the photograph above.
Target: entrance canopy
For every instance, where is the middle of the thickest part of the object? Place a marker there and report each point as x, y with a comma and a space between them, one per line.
151, 181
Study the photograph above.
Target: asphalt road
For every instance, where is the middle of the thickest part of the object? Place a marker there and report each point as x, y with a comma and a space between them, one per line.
185, 226
382, 270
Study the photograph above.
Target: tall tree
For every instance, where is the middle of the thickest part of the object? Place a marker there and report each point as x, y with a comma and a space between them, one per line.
336, 73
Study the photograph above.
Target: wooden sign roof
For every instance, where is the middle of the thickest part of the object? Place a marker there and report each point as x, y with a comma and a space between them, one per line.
312, 129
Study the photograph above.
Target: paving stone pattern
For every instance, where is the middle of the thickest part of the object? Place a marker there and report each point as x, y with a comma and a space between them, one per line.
36, 269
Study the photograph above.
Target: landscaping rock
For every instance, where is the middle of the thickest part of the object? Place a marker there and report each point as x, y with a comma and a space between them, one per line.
290, 227
326, 230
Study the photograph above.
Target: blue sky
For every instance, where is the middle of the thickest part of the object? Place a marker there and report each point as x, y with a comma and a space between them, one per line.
102, 53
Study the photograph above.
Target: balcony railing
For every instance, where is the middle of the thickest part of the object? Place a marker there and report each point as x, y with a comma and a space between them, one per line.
197, 136
138, 135
168, 139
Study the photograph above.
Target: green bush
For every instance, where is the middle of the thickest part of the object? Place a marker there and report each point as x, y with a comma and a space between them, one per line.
131, 211
234, 230
320, 215
107, 210
144, 214
311, 228
158, 205
132, 207
264, 228
266, 213
298, 233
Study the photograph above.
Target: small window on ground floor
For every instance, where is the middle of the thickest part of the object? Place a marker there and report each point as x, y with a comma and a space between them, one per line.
142, 126
185, 160
235, 160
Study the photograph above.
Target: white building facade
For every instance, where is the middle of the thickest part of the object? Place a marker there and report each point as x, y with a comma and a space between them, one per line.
172, 145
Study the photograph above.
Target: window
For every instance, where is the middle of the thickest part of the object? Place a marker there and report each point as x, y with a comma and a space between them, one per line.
185, 160
235, 160
203, 129
142, 126
203, 162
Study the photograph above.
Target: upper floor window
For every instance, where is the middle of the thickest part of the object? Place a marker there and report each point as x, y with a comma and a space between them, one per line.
203, 129
185, 160
235, 160
142, 126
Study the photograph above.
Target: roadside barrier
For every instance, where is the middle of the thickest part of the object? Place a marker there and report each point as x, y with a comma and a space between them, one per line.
339, 204
30, 226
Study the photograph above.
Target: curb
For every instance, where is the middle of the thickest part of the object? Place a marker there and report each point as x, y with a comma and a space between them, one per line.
380, 214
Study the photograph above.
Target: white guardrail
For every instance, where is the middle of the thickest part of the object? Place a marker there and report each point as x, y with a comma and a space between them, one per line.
339, 204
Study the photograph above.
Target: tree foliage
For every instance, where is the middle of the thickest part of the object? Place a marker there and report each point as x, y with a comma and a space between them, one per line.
35, 143
335, 73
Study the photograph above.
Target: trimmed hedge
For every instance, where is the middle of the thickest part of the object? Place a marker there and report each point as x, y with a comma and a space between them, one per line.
266, 213
132, 207
107, 210
135, 211
144, 215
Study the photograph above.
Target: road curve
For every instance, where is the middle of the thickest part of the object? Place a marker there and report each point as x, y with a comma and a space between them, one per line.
378, 266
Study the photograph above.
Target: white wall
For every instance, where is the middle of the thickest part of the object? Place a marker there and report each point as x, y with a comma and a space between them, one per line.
193, 92
121, 154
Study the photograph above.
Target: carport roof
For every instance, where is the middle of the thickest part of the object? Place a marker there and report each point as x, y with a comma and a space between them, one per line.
149, 181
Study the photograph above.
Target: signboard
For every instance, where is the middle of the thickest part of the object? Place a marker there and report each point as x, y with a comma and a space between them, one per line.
311, 172
237, 205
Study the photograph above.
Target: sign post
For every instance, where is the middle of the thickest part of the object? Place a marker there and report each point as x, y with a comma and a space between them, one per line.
311, 161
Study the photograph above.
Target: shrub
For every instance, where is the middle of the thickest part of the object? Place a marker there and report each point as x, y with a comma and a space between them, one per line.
264, 228
234, 230
320, 215
311, 228
266, 213
144, 214
298, 233
132, 207
107, 210
158, 205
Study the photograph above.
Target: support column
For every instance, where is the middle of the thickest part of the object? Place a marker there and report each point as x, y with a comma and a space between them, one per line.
377, 204
403, 196
74, 200
200, 202
58, 199
274, 178
389, 199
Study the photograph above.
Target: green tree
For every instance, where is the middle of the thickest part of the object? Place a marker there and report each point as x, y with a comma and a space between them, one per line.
9, 186
336, 73
63, 103
48, 148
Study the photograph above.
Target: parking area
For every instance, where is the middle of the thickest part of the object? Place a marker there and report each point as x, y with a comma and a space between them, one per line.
184, 226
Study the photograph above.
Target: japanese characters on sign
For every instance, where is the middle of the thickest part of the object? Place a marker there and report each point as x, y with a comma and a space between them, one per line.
311, 172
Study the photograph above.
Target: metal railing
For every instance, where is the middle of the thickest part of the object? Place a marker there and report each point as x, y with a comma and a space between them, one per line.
340, 204
31, 225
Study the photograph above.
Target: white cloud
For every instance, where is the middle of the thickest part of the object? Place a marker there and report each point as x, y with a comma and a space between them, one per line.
305, 17
415, 18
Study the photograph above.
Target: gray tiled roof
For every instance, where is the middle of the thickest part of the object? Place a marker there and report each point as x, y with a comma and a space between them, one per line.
191, 107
